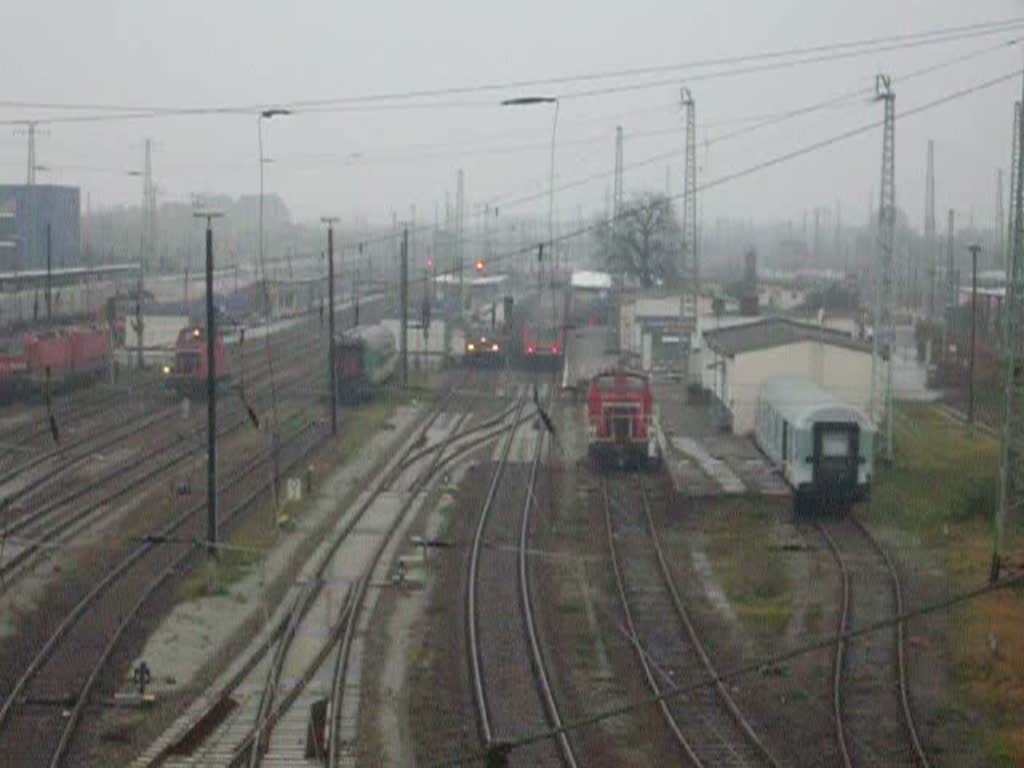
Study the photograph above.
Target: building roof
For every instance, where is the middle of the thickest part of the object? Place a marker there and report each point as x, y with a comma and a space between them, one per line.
586, 279
776, 332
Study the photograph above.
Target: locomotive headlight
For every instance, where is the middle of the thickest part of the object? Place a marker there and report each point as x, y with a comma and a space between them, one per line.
471, 346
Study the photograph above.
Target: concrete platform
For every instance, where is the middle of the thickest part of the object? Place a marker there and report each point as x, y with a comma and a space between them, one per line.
705, 461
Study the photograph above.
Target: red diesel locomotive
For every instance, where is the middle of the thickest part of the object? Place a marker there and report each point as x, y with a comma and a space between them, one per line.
620, 418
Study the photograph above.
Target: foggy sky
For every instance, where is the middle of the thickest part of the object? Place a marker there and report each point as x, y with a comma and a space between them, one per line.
367, 161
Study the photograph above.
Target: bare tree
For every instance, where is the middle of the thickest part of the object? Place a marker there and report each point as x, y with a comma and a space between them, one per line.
644, 242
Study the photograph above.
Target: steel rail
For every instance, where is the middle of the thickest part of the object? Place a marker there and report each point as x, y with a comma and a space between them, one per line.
652, 680
696, 642
178, 451
74, 715
472, 628
839, 660
526, 605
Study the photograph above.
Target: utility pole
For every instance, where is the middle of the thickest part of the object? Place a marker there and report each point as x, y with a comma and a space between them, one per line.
329, 221
1014, 178
929, 225
999, 256
617, 191
883, 337
1009, 490
404, 307
30, 177
460, 220
145, 246
952, 284
973, 248
690, 266
49, 276
211, 391
355, 289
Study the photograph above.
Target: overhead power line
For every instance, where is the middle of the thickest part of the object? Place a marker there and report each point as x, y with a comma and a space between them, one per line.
754, 62
763, 165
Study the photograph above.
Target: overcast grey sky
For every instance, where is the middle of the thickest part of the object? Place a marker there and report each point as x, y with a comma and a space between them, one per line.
228, 53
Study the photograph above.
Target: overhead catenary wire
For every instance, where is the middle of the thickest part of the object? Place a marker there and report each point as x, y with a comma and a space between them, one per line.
770, 61
750, 170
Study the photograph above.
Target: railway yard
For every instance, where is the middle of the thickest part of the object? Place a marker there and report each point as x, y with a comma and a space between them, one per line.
363, 469
466, 584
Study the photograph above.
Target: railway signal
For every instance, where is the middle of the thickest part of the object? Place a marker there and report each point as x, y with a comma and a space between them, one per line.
479, 265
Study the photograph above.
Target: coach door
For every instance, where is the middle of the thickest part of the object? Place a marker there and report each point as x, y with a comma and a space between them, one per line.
836, 452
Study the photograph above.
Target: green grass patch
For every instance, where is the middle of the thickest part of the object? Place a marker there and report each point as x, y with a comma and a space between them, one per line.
754, 577
942, 488
940, 476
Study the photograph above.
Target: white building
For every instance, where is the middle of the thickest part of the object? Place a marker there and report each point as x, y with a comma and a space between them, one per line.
738, 359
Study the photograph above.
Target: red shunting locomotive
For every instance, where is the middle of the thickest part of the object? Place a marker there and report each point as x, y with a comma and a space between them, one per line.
620, 417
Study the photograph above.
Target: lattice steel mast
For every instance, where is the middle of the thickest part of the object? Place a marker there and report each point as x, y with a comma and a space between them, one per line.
999, 257
1014, 177
883, 336
617, 194
1011, 487
690, 267
929, 227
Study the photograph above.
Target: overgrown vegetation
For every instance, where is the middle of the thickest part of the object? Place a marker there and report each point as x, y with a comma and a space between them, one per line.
940, 476
943, 489
752, 573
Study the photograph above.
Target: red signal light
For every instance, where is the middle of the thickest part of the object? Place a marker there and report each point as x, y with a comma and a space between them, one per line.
430, 263
479, 265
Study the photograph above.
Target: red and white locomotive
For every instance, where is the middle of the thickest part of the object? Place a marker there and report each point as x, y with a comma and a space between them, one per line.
620, 418
189, 372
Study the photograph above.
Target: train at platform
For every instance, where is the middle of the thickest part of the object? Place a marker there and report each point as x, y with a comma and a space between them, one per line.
621, 420
53, 358
542, 331
822, 446
488, 334
188, 372
365, 358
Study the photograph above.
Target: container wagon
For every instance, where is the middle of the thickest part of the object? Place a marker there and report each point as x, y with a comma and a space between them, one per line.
822, 446
364, 359
620, 420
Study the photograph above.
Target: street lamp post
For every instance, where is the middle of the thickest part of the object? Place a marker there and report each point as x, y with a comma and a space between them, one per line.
527, 101
266, 114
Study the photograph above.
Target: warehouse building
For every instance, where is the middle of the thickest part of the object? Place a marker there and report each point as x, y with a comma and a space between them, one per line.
27, 212
738, 359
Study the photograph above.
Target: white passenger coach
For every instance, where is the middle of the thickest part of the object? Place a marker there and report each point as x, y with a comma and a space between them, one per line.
822, 446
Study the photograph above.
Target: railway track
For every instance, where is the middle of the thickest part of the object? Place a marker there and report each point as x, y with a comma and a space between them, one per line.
870, 695
56, 521
47, 520
507, 701
706, 724
288, 676
86, 415
65, 670
83, 636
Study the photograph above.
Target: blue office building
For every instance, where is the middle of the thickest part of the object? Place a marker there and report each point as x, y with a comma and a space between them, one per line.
27, 211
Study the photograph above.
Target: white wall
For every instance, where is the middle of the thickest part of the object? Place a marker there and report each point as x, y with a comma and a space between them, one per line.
846, 373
